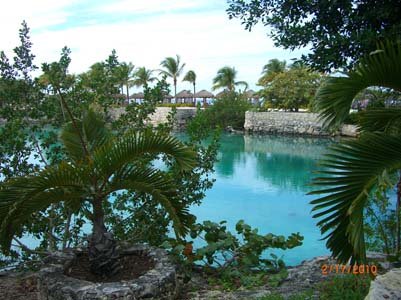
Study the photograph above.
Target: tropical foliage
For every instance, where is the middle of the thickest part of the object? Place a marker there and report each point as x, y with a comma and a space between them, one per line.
290, 89
270, 70
34, 110
227, 111
143, 77
337, 32
96, 166
172, 68
191, 78
226, 78
236, 258
354, 169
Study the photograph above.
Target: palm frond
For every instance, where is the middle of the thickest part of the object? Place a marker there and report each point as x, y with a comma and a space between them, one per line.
157, 184
353, 169
20, 197
386, 120
129, 148
381, 68
93, 131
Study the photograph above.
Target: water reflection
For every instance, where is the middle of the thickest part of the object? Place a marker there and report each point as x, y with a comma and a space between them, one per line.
283, 162
264, 180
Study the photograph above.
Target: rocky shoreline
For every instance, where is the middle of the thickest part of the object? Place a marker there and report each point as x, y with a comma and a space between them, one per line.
301, 278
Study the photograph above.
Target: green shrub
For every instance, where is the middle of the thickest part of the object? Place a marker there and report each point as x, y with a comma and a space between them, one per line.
229, 110
345, 287
232, 261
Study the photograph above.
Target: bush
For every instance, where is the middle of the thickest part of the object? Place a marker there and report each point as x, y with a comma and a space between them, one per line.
229, 110
345, 287
232, 261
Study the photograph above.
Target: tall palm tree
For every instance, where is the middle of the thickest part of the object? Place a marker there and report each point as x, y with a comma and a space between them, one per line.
143, 77
353, 169
191, 78
98, 164
271, 69
225, 78
173, 69
125, 74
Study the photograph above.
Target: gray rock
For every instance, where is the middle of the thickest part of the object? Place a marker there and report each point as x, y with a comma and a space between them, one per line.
386, 286
158, 283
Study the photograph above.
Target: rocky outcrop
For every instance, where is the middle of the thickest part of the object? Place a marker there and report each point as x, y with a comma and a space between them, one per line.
157, 283
386, 286
293, 123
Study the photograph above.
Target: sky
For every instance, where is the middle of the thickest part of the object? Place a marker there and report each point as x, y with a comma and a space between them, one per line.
143, 32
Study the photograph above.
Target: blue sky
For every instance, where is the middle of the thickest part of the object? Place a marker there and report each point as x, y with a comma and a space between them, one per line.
144, 33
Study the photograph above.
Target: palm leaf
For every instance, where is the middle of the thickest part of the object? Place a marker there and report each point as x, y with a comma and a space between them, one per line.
386, 120
129, 148
353, 169
381, 68
20, 197
93, 131
159, 186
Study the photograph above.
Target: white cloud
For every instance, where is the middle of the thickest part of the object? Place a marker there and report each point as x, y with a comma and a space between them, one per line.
205, 40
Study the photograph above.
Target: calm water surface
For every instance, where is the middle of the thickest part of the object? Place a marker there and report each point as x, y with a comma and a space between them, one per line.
264, 180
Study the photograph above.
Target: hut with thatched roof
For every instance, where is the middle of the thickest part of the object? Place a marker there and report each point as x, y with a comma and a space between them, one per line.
252, 96
136, 96
184, 97
222, 93
167, 98
204, 95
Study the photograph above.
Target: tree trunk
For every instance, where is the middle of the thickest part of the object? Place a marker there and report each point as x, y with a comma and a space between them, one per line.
127, 93
103, 256
194, 100
175, 90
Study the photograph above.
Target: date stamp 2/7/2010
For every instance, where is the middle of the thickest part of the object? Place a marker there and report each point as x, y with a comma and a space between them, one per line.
348, 269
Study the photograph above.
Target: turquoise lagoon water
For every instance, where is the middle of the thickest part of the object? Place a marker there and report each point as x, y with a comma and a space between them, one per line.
264, 180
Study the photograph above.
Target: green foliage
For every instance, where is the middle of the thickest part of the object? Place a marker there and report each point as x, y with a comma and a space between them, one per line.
226, 78
381, 227
42, 99
345, 287
291, 89
270, 70
229, 110
235, 260
172, 68
354, 169
337, 32
143, 77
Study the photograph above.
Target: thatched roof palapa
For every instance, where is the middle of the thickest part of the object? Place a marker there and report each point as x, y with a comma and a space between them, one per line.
222, 93
184, 94
204, 94
251, 94
139, 95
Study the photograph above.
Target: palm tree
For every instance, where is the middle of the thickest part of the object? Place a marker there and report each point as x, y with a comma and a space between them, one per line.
143, 77
225, 78
97, 165
173, 69
125, 74
271, 69
191, 78
353, 169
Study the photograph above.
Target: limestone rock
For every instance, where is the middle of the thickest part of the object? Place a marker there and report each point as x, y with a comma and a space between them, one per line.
386, 286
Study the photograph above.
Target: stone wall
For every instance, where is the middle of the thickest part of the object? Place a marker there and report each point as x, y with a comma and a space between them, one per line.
184, 114
296, 123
